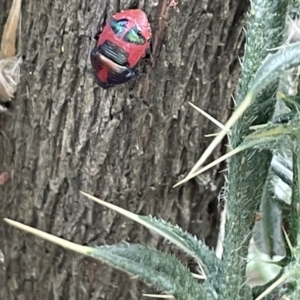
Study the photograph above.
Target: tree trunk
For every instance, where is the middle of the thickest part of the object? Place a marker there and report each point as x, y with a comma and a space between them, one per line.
127, 145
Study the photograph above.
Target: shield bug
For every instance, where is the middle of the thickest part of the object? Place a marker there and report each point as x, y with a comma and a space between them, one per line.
123, 42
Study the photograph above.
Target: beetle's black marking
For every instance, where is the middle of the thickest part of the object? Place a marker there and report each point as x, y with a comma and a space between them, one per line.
96, 37
115, 53
114, 77
94, 59
117, 78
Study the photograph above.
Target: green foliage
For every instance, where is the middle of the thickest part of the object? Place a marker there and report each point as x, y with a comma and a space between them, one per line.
153, 267
190, 244
183, 240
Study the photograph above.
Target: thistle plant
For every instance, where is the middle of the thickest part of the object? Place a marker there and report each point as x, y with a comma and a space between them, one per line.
262, 183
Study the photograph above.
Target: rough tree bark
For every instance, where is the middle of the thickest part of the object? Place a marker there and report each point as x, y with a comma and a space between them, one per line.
127, 145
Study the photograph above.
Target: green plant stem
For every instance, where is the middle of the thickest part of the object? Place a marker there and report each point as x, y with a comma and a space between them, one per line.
294, 215
248, 170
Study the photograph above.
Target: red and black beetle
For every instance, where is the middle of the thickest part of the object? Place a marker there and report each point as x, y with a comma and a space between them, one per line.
123, 42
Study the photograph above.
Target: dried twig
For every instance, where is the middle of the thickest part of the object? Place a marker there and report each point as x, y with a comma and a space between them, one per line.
9, 62
9, 37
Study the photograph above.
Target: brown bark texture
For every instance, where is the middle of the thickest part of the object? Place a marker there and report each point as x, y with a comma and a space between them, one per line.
127, 145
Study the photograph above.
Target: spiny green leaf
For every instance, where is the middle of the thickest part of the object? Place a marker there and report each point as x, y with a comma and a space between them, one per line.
186, 242
275, 136
174, 234
155, 268
273, 67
